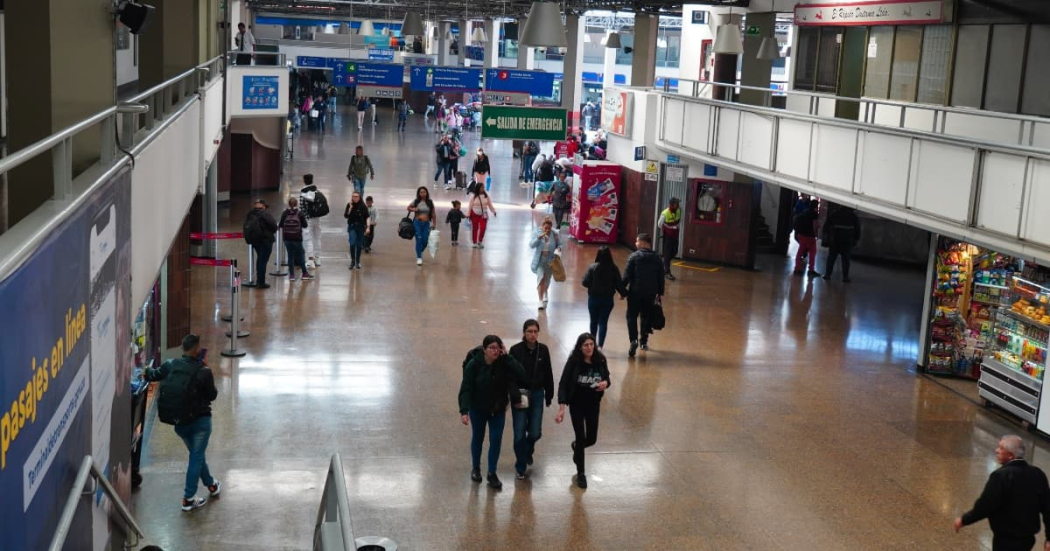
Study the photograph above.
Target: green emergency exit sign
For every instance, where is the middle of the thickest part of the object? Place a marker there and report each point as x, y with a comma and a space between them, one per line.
523, 123
753, 30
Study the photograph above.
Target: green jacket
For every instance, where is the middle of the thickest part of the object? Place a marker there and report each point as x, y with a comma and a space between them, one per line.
490, 387
360, 167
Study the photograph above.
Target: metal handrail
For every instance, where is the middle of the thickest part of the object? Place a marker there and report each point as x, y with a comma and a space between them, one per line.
88, 469
282, 58
335, 508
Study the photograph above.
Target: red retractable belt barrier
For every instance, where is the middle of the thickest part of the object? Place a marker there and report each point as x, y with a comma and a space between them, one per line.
199, 261
229, 235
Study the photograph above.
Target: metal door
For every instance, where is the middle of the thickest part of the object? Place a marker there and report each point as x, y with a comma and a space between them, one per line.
674, 179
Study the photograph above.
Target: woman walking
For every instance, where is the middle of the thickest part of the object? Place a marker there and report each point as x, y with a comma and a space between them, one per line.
489, 381
358, 225
423, 211
583, 383
481, 167
545, 245
480, 207
602, 281
292, 223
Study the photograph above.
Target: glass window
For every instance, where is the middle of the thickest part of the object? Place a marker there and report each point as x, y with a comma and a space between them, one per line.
828, 59
1036, 100
880, 57
806, 58
933, 68
904, 76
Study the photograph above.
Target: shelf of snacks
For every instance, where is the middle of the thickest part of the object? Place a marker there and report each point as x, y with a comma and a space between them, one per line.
953, 349
991, 291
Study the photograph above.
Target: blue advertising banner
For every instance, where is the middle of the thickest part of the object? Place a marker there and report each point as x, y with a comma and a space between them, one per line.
386, 75
445, 79
259, 92
536, 83
344, 72
65, 389
379, 54
311, 61
475, 53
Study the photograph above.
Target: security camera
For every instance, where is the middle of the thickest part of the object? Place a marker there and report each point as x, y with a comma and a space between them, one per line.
136, 17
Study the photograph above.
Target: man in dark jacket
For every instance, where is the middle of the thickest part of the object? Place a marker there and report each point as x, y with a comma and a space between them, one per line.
1013, 499
260, 228
535, 358
196, 431
644, 280
841, 234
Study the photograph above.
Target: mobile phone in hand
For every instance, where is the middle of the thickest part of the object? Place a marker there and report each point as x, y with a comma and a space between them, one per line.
202, 355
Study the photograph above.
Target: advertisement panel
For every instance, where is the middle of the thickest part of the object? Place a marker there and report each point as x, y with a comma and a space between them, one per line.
536, 83
616, 112
259, 92
445, 79
523, 123
65, 388
595, 202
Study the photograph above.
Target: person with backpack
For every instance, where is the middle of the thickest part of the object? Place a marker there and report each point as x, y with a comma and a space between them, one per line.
544, 179
643, 283
293, 221
358, 225
490, 382
806, 235
315, 206
259, 229
425, 219
360, 168
603, 282
528, 155
560, 198
443, 150
584, 380
184, 397
537, 389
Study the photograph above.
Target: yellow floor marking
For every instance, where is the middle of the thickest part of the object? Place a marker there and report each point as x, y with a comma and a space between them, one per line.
681, 264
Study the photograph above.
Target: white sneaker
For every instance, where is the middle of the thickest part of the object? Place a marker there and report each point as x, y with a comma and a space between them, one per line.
419, 262
543, 305
310, 265
317, 261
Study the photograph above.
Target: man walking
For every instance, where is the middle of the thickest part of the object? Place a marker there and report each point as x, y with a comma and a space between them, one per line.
841, 234
259, 229
431, 103
315, 206
362, 109
184, 399
670, 220
538, 389
402, 115
1014, 497
644, 280
360, 168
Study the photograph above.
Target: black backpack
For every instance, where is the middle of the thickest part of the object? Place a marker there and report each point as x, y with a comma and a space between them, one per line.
318, 207
406, 229
253, 228
177, 395
546, 172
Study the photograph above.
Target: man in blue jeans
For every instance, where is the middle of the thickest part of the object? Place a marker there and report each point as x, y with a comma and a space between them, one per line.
538, 386
184, 399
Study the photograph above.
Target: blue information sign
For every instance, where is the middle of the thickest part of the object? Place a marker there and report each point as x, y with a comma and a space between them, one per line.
378, 54
259, 92
536, 83
311, 61
673, 159
380, 74
445, 79
344, 72
476, 53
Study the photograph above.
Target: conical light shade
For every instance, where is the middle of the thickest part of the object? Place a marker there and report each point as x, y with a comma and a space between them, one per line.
613, 41
367, 29
769, 49
478, 35
729, 40
344, 28
436, 34
544, 26
412, 24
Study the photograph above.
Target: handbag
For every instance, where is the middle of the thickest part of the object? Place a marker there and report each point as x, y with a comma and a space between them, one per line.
656, 315
314, 113
557, 268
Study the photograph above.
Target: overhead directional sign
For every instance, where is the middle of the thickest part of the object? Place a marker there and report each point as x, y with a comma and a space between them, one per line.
445, 79
311, 61
536, 83
380, 74
507, 98
380, 54
344, 72
523, 123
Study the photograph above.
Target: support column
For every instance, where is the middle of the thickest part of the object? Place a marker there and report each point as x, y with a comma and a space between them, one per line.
643, 64
572, 71
464, 40
753, 71
442, 43
61, 52
210, 212
725, 64
170, 46
526, 55
492, 30
609, 65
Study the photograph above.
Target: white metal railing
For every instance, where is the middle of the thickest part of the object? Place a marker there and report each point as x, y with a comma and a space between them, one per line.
265, 59
993, 126
985, 192
139, 119
333, 531
89, 470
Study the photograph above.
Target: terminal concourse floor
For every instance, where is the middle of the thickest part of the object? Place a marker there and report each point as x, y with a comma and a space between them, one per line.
773, 412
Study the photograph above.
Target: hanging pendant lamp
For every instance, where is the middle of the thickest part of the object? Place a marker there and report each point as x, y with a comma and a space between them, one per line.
613, 41
367, 28
729, 40
544, 26
478, 35
412, 25
769, 49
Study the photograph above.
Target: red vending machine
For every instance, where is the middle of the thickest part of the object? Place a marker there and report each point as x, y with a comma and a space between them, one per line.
595, 202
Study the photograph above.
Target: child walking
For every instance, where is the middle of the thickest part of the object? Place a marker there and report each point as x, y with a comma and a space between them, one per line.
371, 224
454, 217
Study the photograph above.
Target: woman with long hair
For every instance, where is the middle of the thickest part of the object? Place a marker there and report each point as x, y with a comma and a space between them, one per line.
358, 225
583, 383
481, 168
424, 214
545, 245
489, 381
602, 281
479, 209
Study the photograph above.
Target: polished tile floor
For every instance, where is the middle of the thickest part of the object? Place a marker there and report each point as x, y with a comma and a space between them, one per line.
774, 412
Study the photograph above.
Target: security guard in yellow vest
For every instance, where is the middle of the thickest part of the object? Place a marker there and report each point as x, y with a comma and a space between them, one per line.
670, 219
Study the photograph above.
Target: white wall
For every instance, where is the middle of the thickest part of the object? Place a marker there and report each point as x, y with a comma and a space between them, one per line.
163, 185
689, 61
213, 122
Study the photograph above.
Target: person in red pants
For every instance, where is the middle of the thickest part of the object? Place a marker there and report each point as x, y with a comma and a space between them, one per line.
806, 235
480, 207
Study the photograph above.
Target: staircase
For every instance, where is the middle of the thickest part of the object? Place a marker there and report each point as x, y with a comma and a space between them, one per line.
764, 241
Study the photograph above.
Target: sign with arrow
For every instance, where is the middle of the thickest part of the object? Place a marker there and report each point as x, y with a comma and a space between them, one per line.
445, 79
523, 123
753, 30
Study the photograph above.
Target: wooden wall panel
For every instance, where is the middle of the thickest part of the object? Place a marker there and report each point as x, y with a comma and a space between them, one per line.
637, 206
178, 300
730, 243
253, 166
224, 158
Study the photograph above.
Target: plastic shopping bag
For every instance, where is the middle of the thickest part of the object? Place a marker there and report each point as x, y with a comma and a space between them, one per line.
557, 268
433, 242
488, 182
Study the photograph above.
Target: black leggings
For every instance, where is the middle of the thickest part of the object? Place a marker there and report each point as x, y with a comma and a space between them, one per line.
584, 415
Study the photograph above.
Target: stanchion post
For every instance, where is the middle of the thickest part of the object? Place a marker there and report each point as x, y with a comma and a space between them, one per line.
252, 276
235, 332
229, 317
277, 270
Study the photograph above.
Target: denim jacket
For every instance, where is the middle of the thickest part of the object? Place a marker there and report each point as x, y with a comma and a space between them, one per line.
537, 245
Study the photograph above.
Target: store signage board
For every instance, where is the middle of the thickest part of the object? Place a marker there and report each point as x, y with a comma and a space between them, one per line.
535, 83
616, 112
445, 79
888, 12
259, 92
507, 98
380, 54
523, 123
306, 61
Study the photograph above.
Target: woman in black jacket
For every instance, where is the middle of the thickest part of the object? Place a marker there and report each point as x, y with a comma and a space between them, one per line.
481, 167
583, 383
602, 281
358, 224
489, 382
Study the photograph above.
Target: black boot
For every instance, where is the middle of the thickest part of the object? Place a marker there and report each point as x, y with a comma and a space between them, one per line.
494, 482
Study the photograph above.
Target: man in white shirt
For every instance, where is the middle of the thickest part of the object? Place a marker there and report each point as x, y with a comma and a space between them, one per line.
245, 43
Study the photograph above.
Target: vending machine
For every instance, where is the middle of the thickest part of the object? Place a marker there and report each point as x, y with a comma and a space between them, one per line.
595, 202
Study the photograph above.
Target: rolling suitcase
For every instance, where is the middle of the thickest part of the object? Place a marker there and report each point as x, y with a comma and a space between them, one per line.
461, 180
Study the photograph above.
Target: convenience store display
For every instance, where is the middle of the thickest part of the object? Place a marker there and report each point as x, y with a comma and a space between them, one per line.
948, 347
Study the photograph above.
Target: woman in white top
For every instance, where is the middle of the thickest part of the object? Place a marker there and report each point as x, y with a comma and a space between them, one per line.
480, 207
